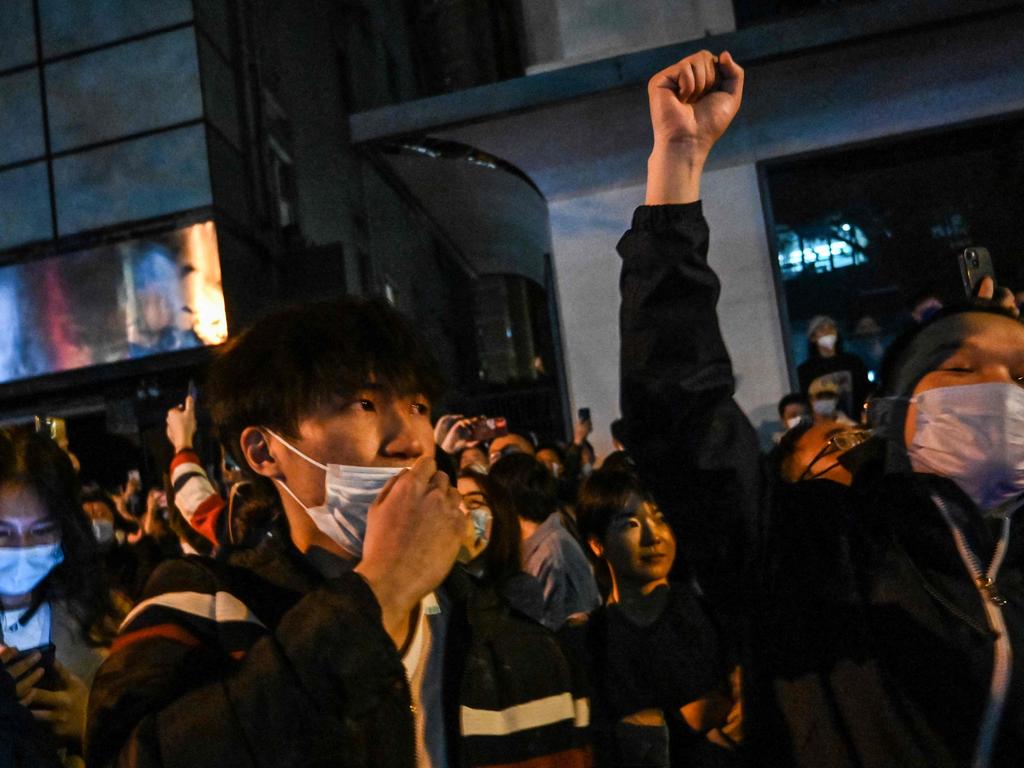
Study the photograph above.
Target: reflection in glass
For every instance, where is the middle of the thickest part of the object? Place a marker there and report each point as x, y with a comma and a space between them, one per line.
127, 89
112, 303
70, 25
24, 206
17, 34
138, 179
21, 117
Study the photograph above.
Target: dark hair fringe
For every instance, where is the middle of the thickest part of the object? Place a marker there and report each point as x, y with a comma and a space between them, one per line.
292, 363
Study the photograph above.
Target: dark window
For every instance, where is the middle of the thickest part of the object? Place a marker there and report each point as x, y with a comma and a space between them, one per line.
861, 234
17, 34
750, 12
122, 90
21, 117
24, 207
70, 25
136, 179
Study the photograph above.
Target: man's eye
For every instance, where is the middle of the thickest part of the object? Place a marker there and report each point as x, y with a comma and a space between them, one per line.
421, 408
366, 405
957, 369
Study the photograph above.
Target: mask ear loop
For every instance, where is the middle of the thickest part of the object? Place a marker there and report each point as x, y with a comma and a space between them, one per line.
300, 454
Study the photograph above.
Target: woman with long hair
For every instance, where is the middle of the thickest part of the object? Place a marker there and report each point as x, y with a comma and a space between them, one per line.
52, 592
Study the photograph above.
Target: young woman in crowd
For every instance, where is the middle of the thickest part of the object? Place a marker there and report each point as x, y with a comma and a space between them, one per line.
673, 707
51, 586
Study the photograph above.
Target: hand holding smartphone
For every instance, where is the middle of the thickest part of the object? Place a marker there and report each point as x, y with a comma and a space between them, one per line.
975, 265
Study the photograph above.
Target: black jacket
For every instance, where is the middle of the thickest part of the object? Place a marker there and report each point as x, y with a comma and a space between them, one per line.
867, 641
260, 661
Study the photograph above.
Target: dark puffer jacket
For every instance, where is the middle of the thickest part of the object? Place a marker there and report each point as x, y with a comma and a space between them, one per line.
260, 661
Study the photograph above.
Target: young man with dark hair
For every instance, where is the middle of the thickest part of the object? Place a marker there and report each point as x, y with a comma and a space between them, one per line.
332, 641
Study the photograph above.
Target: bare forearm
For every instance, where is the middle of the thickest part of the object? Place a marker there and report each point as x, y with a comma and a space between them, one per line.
673, 174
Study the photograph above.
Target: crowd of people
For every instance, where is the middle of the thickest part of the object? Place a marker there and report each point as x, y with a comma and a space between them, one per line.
361, 582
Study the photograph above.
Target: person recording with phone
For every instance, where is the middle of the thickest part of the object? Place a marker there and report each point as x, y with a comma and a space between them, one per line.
52, 591
884, 620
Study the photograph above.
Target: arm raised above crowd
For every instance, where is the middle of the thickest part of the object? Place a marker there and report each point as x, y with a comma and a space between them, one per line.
693, 446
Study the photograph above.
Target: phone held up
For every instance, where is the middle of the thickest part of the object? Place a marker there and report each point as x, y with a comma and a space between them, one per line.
486, 429
584, 414
975, 266
50, 680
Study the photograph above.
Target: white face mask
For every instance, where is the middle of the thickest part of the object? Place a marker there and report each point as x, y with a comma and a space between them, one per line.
103, 530
349, 492
22, 568
828, 341
793, 421
973, 435
825, 406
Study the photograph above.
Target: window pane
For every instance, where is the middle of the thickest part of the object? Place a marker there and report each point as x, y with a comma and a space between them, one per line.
17, 33
24, 206
134, 180
70, 25
111, 303
126, 89
21, 118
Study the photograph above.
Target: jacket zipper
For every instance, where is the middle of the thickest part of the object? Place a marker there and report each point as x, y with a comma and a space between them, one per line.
985, 583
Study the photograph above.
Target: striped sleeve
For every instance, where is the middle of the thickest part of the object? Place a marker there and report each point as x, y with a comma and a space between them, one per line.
172, 692
535, 720
196, 498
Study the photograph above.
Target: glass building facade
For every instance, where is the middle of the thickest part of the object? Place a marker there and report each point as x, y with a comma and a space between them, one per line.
113, 114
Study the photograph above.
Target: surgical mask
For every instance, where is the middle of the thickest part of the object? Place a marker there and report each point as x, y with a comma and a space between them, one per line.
793, 421
349, 491
828, 341
103, 531
825, 406
974, 435
22, 568
480, 519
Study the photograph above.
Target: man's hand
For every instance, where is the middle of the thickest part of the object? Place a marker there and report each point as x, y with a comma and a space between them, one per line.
64, 709
1003, 298
692, 103
457, 438
181, 425
413, 533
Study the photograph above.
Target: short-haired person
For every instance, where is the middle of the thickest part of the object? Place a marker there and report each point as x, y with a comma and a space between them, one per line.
550, 553
886, 621
332, 642
676, 705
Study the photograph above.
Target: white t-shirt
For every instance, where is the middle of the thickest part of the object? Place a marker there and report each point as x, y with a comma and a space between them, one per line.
28, 634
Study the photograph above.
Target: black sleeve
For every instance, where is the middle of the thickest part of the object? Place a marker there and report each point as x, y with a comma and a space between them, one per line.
326, 681
693, 446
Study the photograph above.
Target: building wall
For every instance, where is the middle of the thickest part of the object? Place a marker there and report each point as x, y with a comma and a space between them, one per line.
828, 98
564, 32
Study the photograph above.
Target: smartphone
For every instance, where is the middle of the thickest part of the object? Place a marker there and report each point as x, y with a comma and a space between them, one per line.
50, 680
975, 266
485, 429
584, 414
193, 392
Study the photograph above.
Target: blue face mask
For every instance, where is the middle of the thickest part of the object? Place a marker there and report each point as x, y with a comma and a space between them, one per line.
348, 494
22, 568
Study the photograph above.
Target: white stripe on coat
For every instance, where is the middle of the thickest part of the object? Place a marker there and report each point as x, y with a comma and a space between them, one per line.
522, 717
219, 607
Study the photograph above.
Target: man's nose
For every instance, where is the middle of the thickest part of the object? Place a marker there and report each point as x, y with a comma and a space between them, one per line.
400, 438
